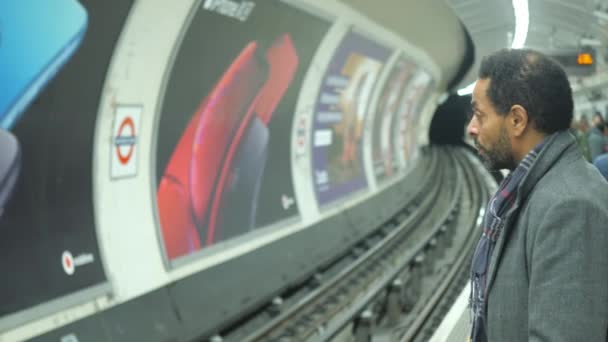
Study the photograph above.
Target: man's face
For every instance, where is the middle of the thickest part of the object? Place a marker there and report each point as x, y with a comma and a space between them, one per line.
488, 130
597, 120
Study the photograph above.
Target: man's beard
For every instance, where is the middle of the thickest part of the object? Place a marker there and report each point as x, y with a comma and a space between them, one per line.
500, 156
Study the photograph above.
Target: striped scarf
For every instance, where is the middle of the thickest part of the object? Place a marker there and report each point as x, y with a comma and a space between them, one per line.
497, 212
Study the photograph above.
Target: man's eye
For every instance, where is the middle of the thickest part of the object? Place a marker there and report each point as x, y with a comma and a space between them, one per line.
478, 116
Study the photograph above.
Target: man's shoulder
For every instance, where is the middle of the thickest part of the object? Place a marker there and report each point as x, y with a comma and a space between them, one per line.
573, 181
595, 137
594, 131
575, 193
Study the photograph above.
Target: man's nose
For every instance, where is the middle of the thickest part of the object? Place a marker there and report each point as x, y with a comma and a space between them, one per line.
472, 128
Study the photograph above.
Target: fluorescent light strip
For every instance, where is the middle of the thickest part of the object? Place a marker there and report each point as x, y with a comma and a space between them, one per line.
601, 15
522, 22
466, 90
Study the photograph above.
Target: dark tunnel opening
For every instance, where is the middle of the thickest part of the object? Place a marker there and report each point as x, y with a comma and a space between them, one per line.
448, 125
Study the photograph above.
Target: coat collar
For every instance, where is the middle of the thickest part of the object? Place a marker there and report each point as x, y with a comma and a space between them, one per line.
560, 146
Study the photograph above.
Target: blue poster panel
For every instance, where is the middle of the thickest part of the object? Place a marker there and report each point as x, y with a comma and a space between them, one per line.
340, 111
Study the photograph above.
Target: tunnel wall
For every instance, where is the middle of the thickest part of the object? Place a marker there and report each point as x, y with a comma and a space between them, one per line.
194, 158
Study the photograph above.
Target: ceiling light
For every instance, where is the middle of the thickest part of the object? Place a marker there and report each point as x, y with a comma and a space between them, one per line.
522, 22
602, 15
590, 42
466, 90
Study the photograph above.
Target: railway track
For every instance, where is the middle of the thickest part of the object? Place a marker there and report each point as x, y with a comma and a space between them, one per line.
452, 270
397, 283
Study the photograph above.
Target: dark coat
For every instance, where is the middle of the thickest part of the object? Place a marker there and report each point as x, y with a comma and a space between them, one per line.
548, 276
597, 143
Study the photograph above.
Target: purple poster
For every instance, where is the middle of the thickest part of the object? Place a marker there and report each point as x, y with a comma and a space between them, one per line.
341, 106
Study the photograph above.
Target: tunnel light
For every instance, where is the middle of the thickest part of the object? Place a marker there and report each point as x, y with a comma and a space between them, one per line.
590, 42
466, 90
601, 15
522, 22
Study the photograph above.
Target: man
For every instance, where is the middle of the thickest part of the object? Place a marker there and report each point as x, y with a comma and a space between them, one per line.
579, 129
601, 161
540, 269
597, 118
596, 139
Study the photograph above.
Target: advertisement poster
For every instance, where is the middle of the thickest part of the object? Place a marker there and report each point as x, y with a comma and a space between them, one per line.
340, 110
384, 155
49, 241
223, 156
409, 109
427, 89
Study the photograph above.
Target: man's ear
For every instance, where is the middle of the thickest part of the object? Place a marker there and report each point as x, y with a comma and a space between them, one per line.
517, 120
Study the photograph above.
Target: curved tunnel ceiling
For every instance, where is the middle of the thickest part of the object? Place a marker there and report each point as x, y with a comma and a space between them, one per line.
555, 25
448, 51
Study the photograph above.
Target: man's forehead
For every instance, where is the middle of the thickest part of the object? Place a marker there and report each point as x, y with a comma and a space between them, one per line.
478, 91
476, 96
